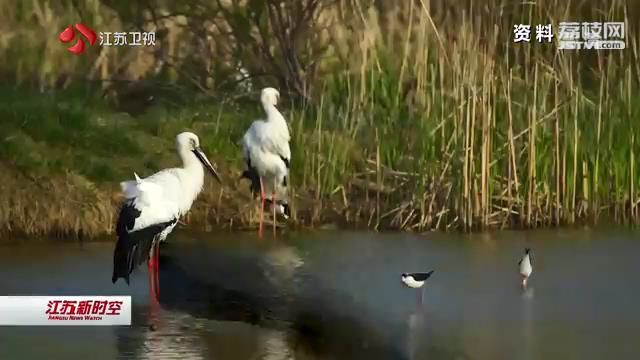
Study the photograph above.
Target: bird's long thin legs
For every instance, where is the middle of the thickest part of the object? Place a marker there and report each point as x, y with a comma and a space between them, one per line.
273, 203
152, 263
152, 290
261, 208
157, 270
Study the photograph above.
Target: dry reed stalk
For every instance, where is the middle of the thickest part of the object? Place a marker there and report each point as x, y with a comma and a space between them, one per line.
558, 174
467, 182
484, 168
532, 149
512, 152
575, 158
378, 180
596, 183
632, 176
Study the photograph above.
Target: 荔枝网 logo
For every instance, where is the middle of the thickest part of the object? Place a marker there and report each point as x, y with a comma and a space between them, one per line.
107, 38
65, 310
591, 35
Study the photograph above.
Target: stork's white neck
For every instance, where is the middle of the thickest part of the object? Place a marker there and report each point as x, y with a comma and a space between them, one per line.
270, 109
192, 178
274, 115
188, 158
192, 165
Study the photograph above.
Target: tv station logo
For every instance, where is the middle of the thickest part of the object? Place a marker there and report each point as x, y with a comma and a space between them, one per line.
65, 310
576, 35
132, 38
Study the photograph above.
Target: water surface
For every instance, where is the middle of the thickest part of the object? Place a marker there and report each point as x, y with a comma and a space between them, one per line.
338, 295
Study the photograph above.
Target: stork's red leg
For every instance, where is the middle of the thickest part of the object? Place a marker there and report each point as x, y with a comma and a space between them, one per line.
152, 264
273, 203
261, 208
152, 292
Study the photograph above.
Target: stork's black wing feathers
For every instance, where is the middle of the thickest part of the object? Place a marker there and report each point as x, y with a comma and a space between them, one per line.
286, 161
132, 248
252, 174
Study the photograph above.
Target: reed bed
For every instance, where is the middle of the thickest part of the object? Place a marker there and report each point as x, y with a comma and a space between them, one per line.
422, 117
458, 127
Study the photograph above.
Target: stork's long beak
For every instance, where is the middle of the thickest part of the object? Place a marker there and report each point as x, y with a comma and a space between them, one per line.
207, 164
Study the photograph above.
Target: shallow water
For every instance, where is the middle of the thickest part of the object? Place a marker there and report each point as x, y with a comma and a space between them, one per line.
338, 295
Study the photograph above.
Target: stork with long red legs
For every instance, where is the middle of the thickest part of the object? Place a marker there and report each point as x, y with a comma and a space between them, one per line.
152, 207
267, 155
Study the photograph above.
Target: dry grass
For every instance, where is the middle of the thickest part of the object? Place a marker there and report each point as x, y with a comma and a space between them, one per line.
64, 206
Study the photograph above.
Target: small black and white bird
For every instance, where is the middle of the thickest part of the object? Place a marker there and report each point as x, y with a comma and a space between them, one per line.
526, 267
416, 281
152, 207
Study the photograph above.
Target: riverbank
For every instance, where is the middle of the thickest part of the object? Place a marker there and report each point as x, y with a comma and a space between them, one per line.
63, 156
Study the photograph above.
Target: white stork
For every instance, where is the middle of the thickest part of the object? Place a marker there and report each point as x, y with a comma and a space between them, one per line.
152, 207
526, 267
267, 155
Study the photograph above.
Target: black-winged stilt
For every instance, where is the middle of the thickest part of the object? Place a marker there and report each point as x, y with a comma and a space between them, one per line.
152, 207
526, 267
416, 281
268, 155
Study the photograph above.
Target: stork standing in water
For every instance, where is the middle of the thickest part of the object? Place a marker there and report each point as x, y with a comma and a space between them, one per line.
525, 267
268, 155
152, 207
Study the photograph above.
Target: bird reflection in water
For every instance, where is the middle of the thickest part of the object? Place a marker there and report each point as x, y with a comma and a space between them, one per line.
416, 331
527, 322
